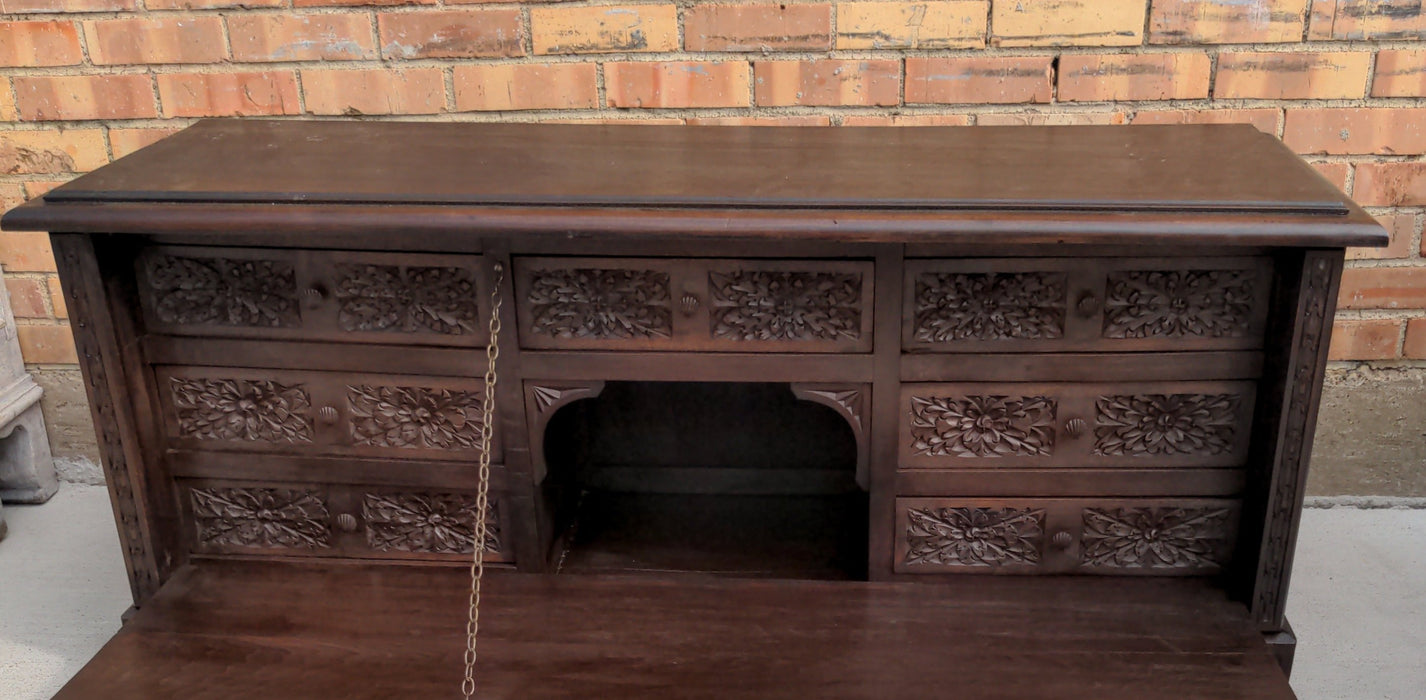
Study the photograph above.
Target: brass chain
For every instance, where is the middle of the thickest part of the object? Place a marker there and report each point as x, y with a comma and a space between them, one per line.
482, 498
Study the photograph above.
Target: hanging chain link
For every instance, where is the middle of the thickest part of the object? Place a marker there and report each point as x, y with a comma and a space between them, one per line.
482, 498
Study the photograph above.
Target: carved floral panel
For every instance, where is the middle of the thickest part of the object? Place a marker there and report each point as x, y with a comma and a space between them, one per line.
404, 299
260, 517
982, 426
414, 417
1166, 424
241, 409
952, 306
442, 523
973, 536
1179, 303
765, 305
600, 304
223, 292
1154, 538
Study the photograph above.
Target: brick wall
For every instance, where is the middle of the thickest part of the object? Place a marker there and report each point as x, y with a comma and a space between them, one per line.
1341, 81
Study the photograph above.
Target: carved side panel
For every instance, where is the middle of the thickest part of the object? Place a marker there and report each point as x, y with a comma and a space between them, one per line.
83, 293
982, 426
599, 304
1148, 425
1179, 303
222, 292
267, 518
956, 306
972, 537
1156, 538
414, 417
406, 299
1283, 491
769, 305
241, 409
434, 523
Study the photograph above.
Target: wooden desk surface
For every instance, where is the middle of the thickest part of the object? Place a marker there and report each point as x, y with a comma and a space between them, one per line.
275, 631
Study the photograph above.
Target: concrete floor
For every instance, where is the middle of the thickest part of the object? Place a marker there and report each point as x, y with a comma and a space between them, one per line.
1358, 598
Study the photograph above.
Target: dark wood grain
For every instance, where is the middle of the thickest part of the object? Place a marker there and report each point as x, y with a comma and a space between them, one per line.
231, 630
1140, 167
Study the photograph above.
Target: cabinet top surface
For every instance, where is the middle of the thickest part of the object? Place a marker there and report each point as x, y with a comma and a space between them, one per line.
1116, 168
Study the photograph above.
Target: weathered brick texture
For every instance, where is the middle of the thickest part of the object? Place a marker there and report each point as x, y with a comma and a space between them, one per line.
1342, 82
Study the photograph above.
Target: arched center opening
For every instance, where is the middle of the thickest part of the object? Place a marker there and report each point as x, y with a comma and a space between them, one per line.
739, 479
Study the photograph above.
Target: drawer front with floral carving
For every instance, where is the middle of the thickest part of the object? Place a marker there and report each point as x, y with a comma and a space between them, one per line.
325, 520
1140, 536
322, 413
313, 295
1074, 304
1139, 424
694, 304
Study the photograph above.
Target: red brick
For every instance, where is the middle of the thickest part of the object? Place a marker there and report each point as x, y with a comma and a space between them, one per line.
903, 25
26, 251
680, 84
604, 29
8, 113
977, 79
523, 86
1379, 20
42, 98
827, 82
210, 4
784, 120
126, 141
450, 34
1267, 120
39, 188
906, 120
1067, 22
1319, 20
1367, 339
1292, 76
1118, 77
641, 120
46, 151
382, 3
1415, 346
1390, 185
758, 27
31, 44
65, 6
155, 40
377, 91
1356, 131
1226, 21
325, 37
1402, 228
1051, 118
47, 345
1400, 73
228, 94
61, 309
27, 297
1336, 173
1383, 288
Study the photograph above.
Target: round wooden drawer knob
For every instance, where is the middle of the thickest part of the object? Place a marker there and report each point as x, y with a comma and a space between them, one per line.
689, 304
1088, 304
327, 415
346, 522
1075, 427
1062, 540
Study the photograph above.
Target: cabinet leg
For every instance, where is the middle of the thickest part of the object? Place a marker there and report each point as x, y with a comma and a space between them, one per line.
1283, 644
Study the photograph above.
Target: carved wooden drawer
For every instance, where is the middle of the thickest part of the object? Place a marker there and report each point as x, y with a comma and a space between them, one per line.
694, 304
322, 413
326, 520
1131, 424
1069, 304
313, 295
1139, 536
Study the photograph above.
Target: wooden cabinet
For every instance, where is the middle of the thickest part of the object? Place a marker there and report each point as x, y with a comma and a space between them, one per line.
728, 361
